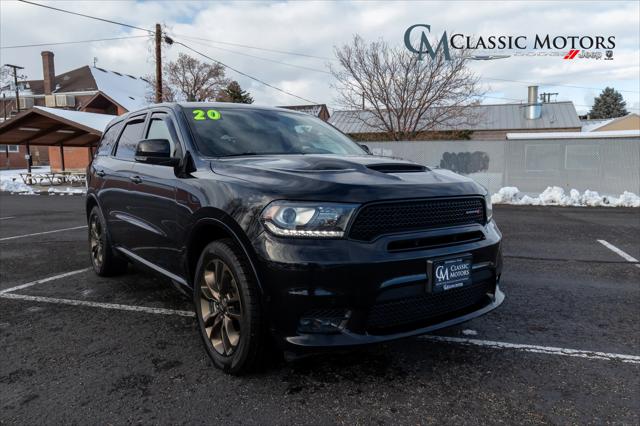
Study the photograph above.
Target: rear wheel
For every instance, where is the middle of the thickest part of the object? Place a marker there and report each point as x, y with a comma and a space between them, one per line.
104, 261
228, 308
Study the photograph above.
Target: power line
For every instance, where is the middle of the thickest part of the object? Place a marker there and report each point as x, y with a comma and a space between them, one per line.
553, 85
244, 74
86, 16
326, 58
522, 101
72, 42
261, 58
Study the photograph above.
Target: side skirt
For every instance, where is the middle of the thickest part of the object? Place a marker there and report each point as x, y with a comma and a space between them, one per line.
177, 280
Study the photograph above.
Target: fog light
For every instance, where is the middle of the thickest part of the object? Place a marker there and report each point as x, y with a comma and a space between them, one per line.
326, 321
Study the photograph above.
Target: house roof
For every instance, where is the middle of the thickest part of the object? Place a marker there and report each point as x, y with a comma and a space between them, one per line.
591, 125
594, 125
309, 109
89, 120
126, 90
557, 115
54, 127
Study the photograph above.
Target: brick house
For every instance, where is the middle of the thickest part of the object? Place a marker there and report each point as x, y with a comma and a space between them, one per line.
88, 89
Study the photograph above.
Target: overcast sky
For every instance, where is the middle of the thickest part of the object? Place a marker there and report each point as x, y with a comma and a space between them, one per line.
314, 28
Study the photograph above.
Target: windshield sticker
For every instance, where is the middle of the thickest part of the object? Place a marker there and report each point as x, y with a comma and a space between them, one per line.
211, 114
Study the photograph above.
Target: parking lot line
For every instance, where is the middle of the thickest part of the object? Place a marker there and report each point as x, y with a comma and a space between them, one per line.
619, 252
73, 302
548, 350
44, 280
42, 233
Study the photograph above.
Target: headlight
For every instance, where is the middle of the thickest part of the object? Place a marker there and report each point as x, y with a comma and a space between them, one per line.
308, 220
488, 206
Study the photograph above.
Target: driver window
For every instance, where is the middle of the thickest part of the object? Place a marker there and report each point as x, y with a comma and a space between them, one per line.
158, 129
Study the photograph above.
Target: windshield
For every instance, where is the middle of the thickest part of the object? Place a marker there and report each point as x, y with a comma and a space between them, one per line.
224, 132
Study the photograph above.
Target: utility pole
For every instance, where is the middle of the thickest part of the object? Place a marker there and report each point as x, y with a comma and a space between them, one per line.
158, 63
15, 81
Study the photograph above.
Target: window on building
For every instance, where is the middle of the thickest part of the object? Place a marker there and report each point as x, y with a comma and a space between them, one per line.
129, 139
9, 148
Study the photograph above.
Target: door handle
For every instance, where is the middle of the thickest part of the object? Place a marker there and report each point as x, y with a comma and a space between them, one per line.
136, 179
100, 173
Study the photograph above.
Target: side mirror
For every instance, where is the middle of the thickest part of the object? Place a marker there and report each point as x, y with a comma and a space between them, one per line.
155, 151
365, 147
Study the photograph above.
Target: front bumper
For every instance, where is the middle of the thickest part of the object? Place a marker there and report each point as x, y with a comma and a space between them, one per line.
362, 293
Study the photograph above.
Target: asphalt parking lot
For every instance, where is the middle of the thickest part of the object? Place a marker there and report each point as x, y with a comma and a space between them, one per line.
563, 348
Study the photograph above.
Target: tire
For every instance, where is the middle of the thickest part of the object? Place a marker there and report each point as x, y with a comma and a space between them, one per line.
228, 309
103, 259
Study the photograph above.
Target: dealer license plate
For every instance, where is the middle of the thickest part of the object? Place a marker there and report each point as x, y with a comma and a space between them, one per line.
449, 273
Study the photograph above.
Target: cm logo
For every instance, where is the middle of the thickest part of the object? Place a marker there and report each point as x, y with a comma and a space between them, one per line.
425, 45
442, 273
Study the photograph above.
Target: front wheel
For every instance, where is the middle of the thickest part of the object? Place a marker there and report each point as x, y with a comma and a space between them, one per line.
227, 305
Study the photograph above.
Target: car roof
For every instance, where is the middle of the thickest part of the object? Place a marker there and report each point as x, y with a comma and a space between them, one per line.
178, 105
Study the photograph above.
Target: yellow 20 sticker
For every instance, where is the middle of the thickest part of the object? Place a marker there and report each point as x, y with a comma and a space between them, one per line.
211, 114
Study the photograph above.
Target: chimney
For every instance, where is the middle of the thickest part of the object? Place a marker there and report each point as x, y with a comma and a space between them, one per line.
533, 109
48, 72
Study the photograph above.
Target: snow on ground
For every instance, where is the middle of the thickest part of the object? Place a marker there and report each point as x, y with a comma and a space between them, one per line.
10, 181
15, 186
555, 196
68, 190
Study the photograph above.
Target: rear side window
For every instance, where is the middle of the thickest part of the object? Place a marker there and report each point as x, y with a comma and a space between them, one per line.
109, 139
129, 139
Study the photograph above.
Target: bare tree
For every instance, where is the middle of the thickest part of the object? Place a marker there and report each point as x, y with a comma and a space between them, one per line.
168, 93
403, 95
193, 80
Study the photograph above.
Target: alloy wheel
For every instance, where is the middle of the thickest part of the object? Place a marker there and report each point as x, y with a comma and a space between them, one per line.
95, 240
221, 308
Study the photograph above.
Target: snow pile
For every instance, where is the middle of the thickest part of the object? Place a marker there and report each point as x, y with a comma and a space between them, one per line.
14, 186
68, 190
10, 181
555, 196
505, 195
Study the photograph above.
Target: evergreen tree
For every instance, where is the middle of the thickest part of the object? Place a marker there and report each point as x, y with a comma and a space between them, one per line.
234, 93
608, 105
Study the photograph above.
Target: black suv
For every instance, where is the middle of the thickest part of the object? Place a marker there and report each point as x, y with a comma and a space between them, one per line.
282, 227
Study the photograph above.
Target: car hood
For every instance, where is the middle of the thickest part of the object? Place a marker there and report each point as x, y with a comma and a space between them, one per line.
344, 178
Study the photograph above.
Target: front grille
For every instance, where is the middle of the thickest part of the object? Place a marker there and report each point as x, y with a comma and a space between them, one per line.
420, 309
388, 218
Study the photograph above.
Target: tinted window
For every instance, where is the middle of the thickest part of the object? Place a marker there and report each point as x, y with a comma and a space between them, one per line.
225, 132
129, 139
159, 129
109, 139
